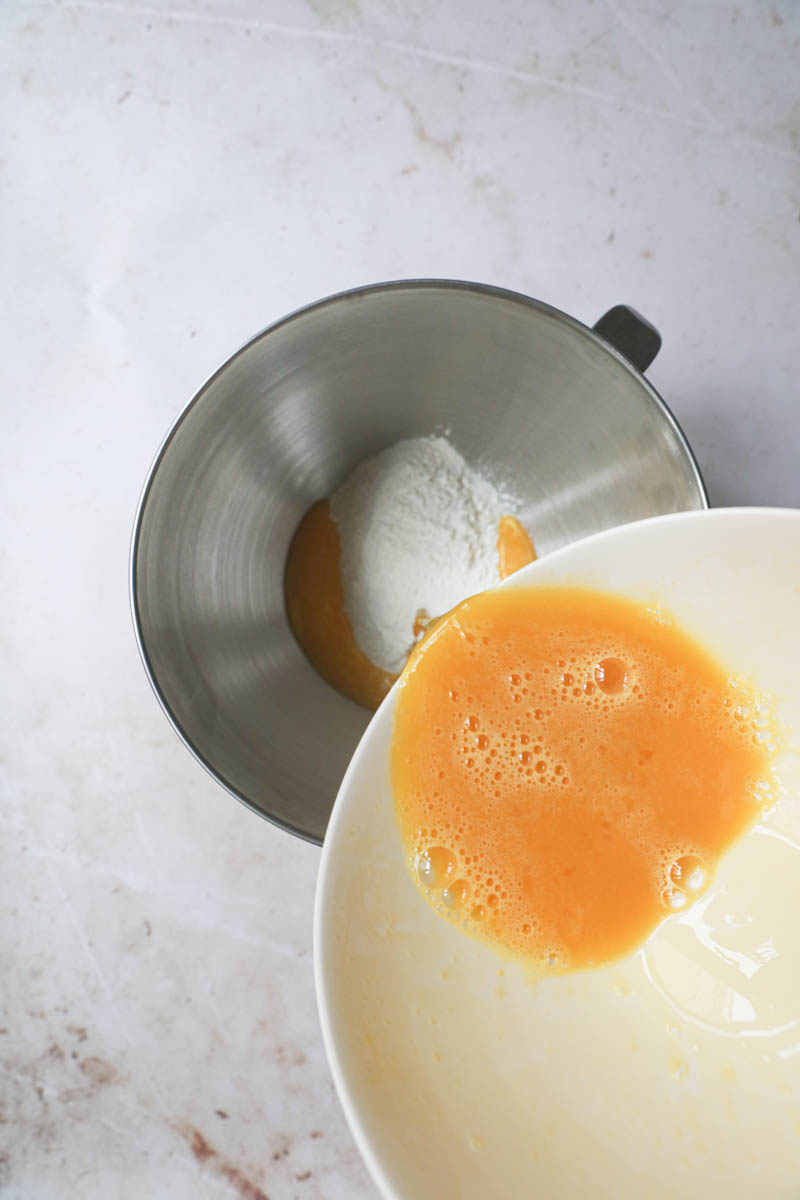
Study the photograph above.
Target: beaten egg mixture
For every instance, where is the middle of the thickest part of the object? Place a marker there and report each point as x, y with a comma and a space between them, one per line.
568, 768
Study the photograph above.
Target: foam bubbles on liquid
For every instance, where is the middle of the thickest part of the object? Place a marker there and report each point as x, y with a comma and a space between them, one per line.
522, 737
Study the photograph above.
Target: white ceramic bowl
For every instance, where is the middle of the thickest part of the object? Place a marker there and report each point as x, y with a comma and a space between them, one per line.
446, 1059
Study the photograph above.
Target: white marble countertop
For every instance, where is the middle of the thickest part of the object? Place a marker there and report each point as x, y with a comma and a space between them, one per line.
173, 179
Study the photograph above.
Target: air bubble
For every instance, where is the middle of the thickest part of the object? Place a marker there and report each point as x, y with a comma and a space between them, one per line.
472, 723
478, 912
435, 866
688, 873
673, 899
455, 893
481, 741
525, 757
611, 675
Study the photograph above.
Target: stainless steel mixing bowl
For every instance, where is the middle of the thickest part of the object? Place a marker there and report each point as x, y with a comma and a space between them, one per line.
540, 402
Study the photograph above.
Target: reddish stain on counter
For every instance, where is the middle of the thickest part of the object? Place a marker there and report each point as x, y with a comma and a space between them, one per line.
205, 1153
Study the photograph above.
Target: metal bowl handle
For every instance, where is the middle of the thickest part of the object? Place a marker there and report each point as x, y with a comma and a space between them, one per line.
630, 333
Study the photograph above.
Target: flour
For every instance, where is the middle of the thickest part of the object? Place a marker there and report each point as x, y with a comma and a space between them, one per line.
418, 531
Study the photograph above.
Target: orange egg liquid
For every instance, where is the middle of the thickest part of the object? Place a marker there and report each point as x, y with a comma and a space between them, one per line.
514, 547
315, 607
315, 603
567, 769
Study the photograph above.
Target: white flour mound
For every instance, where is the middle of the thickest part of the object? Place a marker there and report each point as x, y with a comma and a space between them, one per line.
418, 530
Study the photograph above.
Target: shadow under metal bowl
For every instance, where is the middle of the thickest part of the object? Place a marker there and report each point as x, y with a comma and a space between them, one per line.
540, 403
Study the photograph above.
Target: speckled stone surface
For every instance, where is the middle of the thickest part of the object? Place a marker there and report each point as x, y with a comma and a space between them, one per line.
173, 179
